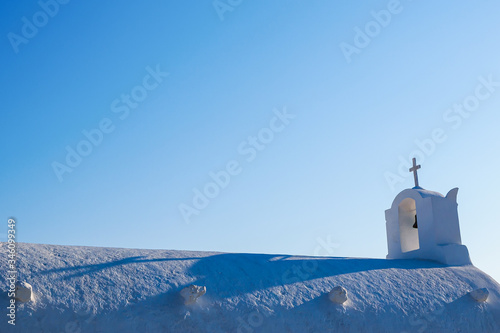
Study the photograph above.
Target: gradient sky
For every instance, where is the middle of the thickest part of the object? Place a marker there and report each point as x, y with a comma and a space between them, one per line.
317, 187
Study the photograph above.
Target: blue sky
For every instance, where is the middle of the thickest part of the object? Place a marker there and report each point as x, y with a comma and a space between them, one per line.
318, 184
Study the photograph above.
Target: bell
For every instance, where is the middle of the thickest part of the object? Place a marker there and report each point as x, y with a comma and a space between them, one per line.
415, 225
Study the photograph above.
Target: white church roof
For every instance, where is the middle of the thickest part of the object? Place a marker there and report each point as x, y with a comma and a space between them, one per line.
90, 289
426, 193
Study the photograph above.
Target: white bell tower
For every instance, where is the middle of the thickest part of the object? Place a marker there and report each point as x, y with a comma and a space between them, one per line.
422, 224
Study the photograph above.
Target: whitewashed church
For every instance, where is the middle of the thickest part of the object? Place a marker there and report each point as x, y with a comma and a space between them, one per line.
426, 284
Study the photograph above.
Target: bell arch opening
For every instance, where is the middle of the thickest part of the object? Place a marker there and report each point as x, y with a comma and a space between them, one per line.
408, 225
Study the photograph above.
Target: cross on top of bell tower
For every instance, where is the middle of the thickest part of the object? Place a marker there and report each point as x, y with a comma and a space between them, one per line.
414, 170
